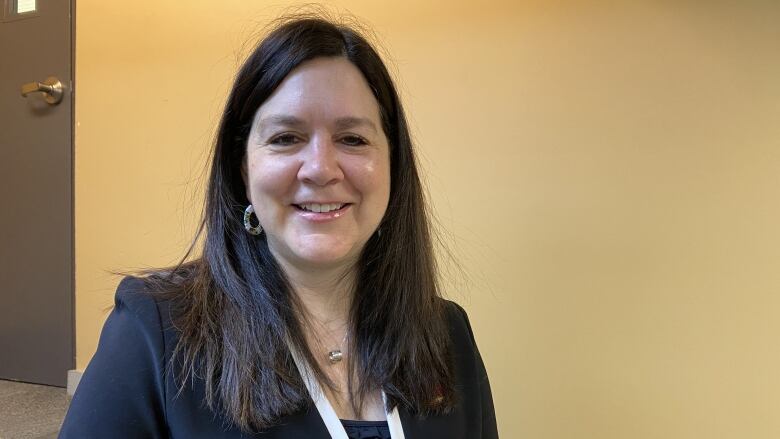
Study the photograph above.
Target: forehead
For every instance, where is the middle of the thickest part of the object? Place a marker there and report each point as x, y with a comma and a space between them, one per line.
322, 90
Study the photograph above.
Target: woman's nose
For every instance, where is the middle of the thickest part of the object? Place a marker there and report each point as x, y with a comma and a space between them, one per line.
320, 163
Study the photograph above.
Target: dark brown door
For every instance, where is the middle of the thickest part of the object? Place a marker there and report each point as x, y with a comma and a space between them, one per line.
36, 193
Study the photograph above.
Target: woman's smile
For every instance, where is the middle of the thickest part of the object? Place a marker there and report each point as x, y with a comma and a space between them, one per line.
321, 212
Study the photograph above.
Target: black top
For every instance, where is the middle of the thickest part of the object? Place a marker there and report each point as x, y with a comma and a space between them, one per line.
366, 429
126, 392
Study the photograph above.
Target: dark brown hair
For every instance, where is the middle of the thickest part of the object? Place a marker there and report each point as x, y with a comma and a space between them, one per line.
233, 306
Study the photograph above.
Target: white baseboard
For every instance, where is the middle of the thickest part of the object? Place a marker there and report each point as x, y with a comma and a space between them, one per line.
74, 376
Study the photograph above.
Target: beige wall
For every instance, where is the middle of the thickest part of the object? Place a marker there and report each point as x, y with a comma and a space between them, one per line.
609, 176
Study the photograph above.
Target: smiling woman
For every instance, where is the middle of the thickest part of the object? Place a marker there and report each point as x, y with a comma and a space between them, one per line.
318, 166
314, 310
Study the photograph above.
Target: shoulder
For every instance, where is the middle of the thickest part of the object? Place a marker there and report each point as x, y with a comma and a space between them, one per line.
122, 388
458, 322
133, 295
134, 326
137, 302
453, 309
464, 344
471, 375
139, 314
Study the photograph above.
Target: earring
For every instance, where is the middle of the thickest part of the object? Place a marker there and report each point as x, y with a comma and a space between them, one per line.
256, 230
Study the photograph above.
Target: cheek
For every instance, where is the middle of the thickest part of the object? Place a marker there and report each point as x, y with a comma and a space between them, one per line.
373, 180
268, 179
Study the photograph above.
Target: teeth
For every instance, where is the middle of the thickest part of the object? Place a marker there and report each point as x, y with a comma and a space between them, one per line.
313, 207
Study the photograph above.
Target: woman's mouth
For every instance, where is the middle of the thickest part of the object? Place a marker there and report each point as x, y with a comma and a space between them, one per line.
321, 212
321, 207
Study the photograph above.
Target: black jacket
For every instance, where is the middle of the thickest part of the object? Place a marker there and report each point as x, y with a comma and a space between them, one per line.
125, 392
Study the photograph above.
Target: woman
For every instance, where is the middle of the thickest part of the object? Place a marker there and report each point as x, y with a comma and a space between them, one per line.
314, 309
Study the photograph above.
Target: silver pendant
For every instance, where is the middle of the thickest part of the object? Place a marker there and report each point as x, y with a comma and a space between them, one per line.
335, 356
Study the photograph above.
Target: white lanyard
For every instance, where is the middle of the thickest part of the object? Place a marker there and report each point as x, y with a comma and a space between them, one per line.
332, 422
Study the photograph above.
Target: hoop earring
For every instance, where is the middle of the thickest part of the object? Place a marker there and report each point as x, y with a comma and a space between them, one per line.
256, 230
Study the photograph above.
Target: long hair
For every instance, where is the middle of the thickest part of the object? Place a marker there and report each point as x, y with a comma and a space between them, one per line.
233, 306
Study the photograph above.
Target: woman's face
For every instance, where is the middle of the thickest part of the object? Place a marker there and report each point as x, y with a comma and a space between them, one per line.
317, 165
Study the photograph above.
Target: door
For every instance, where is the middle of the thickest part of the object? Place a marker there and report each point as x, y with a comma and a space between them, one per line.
36, 193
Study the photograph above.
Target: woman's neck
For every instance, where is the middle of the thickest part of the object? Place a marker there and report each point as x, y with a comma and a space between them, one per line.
324, 304
325, 295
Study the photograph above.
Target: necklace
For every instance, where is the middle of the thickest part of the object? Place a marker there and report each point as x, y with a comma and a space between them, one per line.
325, 409
336, 355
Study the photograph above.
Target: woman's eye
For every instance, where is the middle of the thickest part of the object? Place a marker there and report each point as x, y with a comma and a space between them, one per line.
353, 140
284, 140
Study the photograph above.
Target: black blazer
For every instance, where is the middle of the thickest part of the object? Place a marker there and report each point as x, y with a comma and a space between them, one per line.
125, 392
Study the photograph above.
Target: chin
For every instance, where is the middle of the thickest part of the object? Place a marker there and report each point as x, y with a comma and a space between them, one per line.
326, 254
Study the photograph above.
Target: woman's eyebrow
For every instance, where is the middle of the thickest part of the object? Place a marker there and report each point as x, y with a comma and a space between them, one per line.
343, 123
280, 120
287, 120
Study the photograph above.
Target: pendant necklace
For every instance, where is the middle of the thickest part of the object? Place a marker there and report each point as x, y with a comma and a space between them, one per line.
325, 409
336, 355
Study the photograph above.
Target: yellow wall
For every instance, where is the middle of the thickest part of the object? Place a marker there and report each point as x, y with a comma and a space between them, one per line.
609, 175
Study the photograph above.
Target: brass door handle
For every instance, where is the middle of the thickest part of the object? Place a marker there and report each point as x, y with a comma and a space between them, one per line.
51, 89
